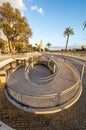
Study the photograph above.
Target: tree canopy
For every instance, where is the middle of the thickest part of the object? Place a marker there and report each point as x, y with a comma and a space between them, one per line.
14, 25
48, 44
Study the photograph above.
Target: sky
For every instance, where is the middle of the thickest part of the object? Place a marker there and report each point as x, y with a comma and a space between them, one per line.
48, 20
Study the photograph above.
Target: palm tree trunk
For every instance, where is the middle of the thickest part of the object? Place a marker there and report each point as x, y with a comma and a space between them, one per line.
67, 42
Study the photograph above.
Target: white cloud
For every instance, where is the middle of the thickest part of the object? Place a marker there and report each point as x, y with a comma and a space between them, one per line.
35, 8
19, 4
40, 10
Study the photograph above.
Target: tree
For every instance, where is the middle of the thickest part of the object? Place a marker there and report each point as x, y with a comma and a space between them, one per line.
3, 45
30, 48
36, 47
67, 33
48, 45
14, 25
19, 48
84, 25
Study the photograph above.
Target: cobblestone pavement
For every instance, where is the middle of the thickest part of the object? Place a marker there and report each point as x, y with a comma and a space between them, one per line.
73, 118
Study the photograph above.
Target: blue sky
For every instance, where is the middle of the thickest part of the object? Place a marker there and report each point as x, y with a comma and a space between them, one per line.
48, 20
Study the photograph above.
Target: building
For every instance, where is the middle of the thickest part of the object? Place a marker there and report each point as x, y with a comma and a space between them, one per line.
84, 47
41, 46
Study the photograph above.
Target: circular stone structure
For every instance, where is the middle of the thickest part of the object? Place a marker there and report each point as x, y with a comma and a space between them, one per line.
43, 85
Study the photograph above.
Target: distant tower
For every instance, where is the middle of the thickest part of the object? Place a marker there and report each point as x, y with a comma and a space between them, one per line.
41, 46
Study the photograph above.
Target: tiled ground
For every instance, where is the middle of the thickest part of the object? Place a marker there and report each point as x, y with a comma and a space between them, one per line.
73, 118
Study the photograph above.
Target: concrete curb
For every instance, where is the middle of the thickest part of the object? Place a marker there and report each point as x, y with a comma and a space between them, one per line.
46, 110
5, 127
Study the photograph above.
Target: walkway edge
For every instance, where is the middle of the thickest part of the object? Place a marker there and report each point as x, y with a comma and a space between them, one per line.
46, 110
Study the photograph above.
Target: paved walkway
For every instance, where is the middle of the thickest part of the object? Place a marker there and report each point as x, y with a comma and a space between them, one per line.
73, 118
39, 71
64, 80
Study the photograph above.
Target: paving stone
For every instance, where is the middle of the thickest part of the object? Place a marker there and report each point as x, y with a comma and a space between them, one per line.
73, 118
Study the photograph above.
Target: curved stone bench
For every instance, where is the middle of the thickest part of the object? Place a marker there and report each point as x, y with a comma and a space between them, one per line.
6, 64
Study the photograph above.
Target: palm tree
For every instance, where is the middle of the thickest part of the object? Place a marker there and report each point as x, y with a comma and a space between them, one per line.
48, 45
37, 46
67, 33
84, 25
